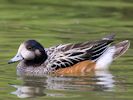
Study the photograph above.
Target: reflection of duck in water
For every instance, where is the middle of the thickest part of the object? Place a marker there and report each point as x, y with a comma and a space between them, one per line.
41, 86
105, 80
68, 58
28, 91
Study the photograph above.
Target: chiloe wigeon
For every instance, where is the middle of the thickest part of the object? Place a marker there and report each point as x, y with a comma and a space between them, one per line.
35, 60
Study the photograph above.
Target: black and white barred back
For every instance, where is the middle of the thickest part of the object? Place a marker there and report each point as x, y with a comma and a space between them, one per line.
63, 56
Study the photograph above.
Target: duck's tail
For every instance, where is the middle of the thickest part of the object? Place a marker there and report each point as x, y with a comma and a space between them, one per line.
111, 54
121, 48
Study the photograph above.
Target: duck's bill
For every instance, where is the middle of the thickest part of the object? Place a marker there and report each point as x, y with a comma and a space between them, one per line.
18, 57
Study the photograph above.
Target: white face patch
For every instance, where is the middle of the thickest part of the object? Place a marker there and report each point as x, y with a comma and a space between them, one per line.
28, 55
37, 52
25, 53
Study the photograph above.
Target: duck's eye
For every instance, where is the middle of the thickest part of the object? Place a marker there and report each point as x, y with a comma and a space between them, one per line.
29, 48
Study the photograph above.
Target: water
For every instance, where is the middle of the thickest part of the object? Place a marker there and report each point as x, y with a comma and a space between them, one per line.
53, 22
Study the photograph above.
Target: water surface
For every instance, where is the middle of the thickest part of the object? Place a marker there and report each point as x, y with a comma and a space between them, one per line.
53, 22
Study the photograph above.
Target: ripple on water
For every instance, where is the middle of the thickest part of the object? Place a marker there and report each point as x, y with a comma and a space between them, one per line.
60, 86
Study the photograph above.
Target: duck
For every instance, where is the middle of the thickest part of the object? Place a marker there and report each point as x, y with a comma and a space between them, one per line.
70, 58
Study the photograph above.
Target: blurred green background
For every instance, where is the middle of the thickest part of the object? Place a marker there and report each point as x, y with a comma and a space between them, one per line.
53, 22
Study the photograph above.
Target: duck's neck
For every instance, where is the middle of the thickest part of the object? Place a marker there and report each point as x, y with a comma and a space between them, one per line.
38, 60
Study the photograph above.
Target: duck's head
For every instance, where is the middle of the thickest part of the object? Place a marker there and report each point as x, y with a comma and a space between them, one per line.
30, 51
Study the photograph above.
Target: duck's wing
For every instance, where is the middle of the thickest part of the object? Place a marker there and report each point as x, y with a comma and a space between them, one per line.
63, 56
87, 44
